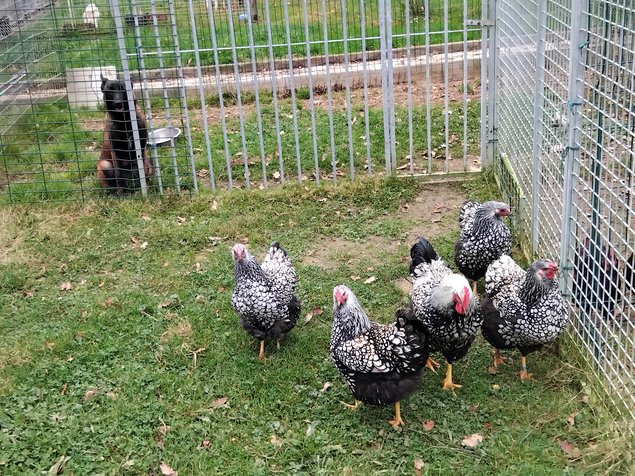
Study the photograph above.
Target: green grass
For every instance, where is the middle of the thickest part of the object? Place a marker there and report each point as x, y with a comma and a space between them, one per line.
42, 42
135, 316
51, 153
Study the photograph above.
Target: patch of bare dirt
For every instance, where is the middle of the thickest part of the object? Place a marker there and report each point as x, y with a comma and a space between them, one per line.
435, 210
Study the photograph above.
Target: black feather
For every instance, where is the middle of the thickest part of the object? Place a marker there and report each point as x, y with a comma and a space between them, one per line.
421, 252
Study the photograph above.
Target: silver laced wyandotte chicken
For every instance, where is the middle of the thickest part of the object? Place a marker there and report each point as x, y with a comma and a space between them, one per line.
381, 363
443, 301
264, 294
484, 238
523, 309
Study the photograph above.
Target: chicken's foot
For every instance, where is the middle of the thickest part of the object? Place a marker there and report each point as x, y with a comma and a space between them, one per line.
448, 384
497, 359
261, 355
523, 374
358, 403
432, 365
397, 421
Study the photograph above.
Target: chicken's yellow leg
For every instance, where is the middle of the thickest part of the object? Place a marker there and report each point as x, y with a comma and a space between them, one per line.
354, 407
474, 285
523, 369
432, 365
397, 421
497, 359
261, 355
448, 384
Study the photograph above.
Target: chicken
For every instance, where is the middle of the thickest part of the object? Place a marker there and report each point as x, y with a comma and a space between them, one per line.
597, 281
381, 363
264, 294
444, 303
484, 238
523, 309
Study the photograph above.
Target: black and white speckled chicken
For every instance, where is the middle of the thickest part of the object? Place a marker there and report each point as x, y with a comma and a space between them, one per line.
523, 309
443, 301
484, 237
264, 294
381, 363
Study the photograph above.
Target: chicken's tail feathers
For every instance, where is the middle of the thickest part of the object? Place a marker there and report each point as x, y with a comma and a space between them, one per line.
421, 252
467, 210
405, 316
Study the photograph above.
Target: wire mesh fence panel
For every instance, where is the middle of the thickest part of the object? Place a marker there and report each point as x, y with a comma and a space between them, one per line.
566, 128
232, 93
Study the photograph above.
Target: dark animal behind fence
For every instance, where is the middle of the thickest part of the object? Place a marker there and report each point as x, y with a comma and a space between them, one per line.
117, 168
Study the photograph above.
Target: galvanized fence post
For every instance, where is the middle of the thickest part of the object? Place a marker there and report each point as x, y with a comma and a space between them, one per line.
539, 103
578, 42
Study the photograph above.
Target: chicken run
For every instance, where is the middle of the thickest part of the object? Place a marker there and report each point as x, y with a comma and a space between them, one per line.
382, 363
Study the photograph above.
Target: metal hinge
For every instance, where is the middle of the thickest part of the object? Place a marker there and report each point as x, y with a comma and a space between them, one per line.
479, 23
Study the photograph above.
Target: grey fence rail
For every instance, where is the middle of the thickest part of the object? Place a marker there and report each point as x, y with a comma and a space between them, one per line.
261, 93
566, 129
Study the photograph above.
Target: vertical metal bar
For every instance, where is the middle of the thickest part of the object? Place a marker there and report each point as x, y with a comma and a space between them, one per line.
391, 86
254, 69
572, 158
181, 83
426, 14
465, 85
121, 40
384, 82
164, 87
484, 77
347, 84
446, 83
219, 89
201, 92
539, 78
274, 91
362, 19
311, 99
492, 82
329, 96
146, 96
296, 135
409, 87
241, 120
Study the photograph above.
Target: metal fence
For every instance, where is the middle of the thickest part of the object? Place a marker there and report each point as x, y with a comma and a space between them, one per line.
262, 92
566, 129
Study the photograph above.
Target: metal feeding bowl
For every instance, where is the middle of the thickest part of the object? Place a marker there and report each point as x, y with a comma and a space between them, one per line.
163, 135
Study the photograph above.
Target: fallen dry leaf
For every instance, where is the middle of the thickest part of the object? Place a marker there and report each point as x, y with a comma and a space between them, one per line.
205, 444
89, 394
474, 407
214, 205
428, 425
112, 395
372, 279
472, 440
222, 289
276, 175
275, 441
181, 220
145, 217
569, 448
164, 304
326, 386
109, 301
27, 293
355, 278
496, 387
158, 437
63, 389
167, 471
66, 286
58, 467
571, 419
219, 402
200, 298
316, 311
488, 426
202, 173
418, 465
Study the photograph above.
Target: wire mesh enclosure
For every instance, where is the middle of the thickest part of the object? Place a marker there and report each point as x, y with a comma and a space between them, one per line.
566, 128
234, 93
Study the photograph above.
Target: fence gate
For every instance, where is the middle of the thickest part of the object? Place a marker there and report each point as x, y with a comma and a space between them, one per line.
566, 135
